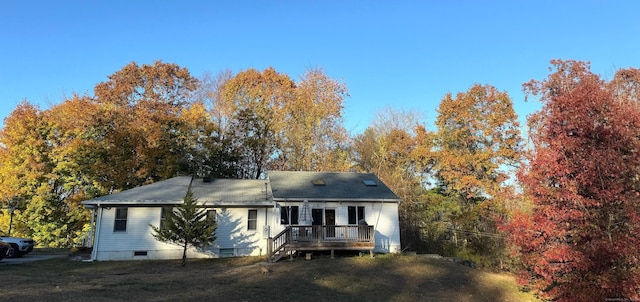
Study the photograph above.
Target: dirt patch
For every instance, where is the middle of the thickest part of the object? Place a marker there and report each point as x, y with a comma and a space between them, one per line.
383, 278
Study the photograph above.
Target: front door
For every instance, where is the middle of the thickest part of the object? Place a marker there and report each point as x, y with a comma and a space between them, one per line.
317, 217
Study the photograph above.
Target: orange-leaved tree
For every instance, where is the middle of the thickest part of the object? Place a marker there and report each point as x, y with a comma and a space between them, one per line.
476, 145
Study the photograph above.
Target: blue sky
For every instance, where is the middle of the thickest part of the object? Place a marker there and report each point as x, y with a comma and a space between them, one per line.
400, 54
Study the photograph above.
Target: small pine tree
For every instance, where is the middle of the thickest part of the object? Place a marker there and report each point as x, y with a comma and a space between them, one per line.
187, 225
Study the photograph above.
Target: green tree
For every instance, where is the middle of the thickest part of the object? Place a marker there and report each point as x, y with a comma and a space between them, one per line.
186, 225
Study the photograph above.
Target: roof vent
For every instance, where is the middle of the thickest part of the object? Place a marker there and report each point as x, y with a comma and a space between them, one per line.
370, 183
318, 182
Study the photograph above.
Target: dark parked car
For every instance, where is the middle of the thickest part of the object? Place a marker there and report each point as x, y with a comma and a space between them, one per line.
4, 249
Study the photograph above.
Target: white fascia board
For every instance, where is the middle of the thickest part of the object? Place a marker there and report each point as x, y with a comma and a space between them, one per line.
394, 200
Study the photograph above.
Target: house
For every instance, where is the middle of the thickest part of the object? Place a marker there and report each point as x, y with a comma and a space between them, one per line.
285, 213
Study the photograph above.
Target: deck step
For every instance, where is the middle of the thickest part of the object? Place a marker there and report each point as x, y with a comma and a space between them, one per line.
278, 256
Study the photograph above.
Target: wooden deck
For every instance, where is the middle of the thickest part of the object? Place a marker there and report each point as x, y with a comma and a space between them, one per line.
321, 238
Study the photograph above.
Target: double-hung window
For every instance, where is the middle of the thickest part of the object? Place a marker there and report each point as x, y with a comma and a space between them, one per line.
120, 222
253, 220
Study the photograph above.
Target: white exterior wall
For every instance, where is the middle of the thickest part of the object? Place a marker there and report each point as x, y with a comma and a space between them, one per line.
232, 233
383, 216
386, 223
384, 219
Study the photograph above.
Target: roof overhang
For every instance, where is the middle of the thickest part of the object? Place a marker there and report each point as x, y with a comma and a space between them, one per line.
300, 199
160, 203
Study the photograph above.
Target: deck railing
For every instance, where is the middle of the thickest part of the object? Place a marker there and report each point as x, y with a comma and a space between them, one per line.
322, 237
322, 233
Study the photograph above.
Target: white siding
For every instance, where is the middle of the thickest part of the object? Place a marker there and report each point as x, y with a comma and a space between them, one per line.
384, 219
386, 223
231, 233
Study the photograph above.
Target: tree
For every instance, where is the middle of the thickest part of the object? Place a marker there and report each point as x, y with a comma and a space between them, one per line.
478, 134
146, 122
579, 242
397, 149
24, 158
140, 127
313, 135
253, 101
477, 141
57, 147
186, 225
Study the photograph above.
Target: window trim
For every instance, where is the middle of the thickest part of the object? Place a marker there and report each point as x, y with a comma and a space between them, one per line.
254, 220
119, 227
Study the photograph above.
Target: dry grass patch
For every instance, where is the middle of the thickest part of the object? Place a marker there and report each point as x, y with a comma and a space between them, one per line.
383, 278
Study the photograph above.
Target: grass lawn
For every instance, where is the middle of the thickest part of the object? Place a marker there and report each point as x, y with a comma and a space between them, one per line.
383, 278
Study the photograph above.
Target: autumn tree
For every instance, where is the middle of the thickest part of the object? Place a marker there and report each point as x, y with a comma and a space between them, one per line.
24, 161
186, 225
253, 101
477, 141
140, 127
579, 242
396, 147
313, 135
217, 152
143, 119
52, 146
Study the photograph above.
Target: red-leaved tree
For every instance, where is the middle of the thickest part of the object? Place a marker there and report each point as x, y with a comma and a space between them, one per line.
581, 240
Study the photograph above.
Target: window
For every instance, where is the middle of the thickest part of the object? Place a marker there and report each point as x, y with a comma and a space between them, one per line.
120, 223
286, 212
369, 183
212, 216
164, 213
356, 214
253, 220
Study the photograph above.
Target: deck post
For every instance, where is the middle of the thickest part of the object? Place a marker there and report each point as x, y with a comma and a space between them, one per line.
371, 253
331, 254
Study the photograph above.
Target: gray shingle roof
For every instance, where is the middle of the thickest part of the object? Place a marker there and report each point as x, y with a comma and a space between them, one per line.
170, 191
342, 186
223, 192
255, 192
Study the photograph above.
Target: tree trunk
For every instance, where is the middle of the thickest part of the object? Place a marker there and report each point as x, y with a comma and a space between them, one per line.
184, 255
